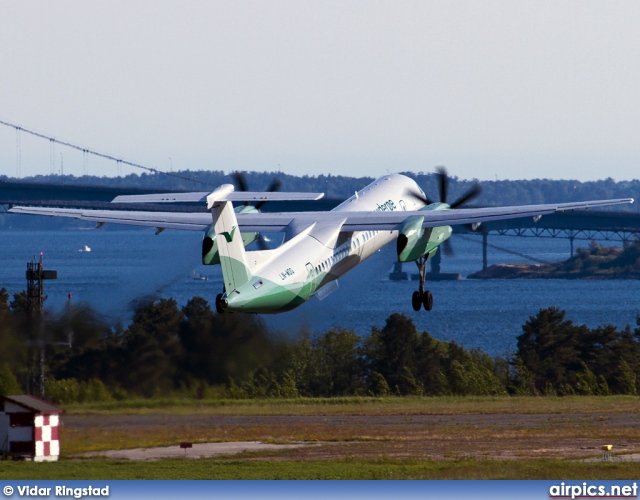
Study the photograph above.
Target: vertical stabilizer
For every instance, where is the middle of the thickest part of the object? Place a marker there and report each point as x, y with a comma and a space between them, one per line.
235, 269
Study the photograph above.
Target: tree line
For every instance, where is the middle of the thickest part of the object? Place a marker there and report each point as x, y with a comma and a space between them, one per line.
190, 350
494, 193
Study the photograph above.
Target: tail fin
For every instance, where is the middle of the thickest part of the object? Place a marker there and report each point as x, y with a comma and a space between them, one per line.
236, 270
233, 258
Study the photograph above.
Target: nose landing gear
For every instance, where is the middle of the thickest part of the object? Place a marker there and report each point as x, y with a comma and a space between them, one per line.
422, 297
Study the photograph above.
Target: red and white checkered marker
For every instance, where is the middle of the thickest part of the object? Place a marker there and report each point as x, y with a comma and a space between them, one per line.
46, 437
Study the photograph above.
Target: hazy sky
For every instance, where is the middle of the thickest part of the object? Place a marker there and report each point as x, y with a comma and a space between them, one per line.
506, 89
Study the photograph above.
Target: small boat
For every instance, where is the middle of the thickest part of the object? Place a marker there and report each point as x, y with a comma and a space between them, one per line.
85, 249
197, 276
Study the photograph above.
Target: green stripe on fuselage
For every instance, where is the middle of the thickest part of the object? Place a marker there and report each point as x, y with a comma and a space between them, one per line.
264, 296
272, 297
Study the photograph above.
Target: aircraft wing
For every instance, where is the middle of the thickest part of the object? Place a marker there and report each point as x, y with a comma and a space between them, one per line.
194, 221
351, 221
381, 221
376, 221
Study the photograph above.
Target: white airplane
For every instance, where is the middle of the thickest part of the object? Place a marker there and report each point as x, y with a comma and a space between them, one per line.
319, 247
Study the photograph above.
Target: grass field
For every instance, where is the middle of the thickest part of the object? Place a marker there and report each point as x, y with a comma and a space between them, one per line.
364, 405
329, 469
356, 438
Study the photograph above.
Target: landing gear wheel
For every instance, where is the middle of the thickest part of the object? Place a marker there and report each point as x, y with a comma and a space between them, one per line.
219, 309
416, 301
427, 300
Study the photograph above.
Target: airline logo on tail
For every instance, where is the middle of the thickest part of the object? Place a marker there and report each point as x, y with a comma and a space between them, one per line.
229, 236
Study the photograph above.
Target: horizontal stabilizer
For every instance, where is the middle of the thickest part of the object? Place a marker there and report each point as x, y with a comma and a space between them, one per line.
196, 197
161, 198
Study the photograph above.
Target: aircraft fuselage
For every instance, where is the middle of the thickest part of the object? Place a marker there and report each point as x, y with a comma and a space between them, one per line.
309, 262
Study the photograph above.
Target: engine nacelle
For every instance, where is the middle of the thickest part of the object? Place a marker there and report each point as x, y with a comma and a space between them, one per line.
415, 242
210, 254
412, 239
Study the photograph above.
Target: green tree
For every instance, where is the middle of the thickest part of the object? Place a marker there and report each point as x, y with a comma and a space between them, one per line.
626, 380
218, 347
288, 386
8, 382
548, 348
392, 351
379, 386
523, 382
153, 349
338, 363
4, 303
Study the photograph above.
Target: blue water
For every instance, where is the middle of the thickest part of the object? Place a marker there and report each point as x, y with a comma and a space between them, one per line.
126, 264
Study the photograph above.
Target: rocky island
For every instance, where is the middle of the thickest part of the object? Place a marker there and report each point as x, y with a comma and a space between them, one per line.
595, 262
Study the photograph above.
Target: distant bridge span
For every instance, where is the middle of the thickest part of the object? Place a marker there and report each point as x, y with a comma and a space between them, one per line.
573, 225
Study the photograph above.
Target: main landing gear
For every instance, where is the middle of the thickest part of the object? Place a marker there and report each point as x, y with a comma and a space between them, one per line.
422, 297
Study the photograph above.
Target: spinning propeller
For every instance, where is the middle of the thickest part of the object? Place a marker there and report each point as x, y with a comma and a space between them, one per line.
241, 184
443, 182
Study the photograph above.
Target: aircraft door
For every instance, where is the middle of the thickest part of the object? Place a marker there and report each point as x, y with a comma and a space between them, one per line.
310, 285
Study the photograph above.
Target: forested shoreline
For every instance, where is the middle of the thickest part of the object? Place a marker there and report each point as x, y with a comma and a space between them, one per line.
192, 351
494, 192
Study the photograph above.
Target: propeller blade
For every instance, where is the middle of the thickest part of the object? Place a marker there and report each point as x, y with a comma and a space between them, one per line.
274, 186
423, 199
241, 182
474, 192
442, 182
